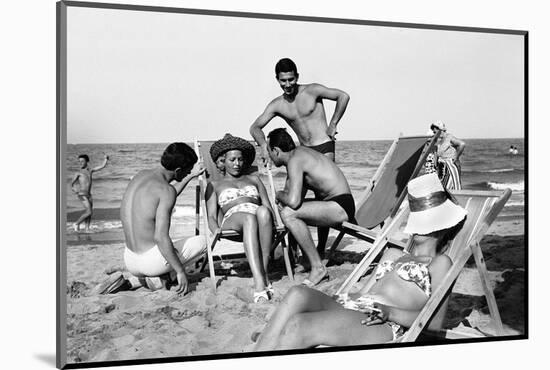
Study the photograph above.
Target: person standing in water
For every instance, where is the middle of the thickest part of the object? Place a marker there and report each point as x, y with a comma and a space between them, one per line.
84, 191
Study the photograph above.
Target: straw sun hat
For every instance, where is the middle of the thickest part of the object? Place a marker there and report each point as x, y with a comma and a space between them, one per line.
230, 142
431, 208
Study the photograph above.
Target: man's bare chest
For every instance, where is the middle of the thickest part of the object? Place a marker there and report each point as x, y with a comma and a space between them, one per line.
301, 107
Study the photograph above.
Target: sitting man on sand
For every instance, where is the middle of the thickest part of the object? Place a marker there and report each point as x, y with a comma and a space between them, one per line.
334, 204
145, 212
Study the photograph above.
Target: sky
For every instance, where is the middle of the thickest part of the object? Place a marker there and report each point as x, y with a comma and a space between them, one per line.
159, 77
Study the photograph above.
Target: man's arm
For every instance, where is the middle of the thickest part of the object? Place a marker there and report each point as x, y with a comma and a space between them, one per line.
292, 195
162, 235
75, 179
195, 172
259, 124
342, 100
102, 166
263, 194
459, 146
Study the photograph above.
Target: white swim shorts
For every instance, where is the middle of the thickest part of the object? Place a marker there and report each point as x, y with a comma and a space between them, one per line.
152, 263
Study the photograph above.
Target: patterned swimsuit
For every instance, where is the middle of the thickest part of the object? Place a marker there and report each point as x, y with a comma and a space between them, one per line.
416, 272
231, 194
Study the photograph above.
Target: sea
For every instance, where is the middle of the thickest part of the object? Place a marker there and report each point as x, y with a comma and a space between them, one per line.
486, 165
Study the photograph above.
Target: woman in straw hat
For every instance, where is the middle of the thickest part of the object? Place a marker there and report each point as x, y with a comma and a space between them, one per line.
397, 290
244, 205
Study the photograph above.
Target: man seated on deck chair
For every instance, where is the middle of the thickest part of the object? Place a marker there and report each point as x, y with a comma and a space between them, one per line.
333, 204
146, 210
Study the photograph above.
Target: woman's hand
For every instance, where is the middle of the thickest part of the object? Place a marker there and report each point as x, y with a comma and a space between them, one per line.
378, 315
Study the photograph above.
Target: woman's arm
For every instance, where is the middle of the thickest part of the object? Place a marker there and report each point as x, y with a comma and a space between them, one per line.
212, 207
459, 146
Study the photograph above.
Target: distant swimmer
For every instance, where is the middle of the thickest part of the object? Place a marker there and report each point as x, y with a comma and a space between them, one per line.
515, 151
84, 190
511, 150
150, 256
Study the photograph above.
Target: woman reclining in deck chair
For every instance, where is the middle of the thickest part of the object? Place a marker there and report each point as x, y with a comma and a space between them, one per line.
397, 291
244, 206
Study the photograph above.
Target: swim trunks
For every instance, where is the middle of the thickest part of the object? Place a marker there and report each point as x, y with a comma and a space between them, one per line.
231, 194
152, 263
347, 203
327, 147
416, 272
84, 196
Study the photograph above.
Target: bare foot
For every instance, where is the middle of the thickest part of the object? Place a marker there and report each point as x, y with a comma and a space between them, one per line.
316, 275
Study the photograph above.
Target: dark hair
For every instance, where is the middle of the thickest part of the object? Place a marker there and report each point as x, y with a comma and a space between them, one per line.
281, 139
285, 65
85, 157
446, 235
178, 155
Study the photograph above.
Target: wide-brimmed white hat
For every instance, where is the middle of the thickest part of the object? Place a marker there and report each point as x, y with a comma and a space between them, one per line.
431, 206
438, 125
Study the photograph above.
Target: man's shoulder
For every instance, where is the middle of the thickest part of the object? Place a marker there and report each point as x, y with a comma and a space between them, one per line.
275, 103
301, 155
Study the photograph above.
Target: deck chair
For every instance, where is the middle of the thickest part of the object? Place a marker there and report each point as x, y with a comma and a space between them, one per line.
383, 197
483, 208
202, 150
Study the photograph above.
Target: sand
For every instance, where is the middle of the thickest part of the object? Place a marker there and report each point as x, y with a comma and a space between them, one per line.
144, 324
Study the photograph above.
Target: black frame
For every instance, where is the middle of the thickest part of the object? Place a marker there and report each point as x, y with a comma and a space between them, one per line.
61, 216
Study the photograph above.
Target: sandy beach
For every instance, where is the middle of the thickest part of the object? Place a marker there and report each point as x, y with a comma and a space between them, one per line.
144, 324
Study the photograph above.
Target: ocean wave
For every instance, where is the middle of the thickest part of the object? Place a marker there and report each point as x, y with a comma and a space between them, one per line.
515, 203
98, 226
502, 170
183, 211
516, 186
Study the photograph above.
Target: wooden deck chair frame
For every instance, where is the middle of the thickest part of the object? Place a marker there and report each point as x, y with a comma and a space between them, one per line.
483, 208
212, 240
364, 233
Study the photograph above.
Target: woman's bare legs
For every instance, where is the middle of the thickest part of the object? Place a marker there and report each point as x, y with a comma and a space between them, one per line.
297, 300
265, 229
306, 318
247, 224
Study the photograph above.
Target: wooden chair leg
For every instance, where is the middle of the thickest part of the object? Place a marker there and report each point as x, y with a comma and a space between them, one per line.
489, 295
335, 244
211, 259
288, 265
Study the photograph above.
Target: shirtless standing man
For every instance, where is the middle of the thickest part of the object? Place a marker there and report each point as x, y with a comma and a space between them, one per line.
145, 212
301, 106
334, 204
84, 192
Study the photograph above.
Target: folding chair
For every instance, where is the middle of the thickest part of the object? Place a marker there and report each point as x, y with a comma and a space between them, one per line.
381, 202
202, 150
483, 208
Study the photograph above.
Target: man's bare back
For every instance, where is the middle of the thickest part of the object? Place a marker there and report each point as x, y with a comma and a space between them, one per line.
138, 209
319, 173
